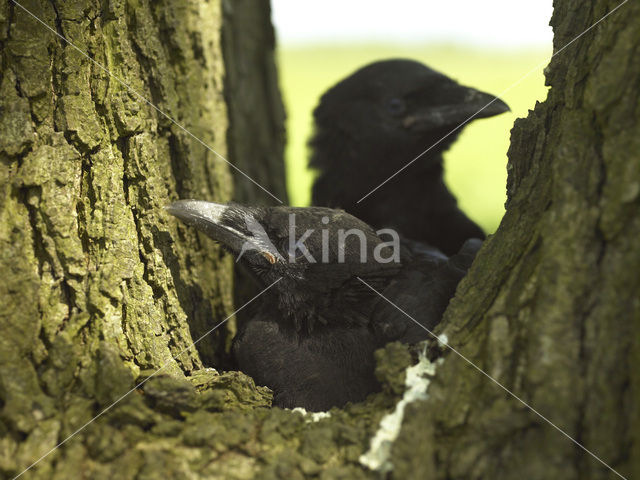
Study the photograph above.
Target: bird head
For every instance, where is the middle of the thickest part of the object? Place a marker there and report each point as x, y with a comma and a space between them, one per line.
396, 108
315, 255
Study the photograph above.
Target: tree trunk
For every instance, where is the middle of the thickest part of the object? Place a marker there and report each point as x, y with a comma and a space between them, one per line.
551, 307
97, 294
256, 113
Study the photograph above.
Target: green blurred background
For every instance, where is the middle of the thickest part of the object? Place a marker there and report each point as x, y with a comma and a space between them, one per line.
476, 165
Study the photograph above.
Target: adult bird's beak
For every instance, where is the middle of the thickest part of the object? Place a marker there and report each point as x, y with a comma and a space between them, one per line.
470, 104
234, 226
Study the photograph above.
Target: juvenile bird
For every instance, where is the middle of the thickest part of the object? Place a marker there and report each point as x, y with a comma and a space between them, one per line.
313, 336
377, 120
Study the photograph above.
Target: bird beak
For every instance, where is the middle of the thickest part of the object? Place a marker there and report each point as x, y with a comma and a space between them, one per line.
234, 226
472, 104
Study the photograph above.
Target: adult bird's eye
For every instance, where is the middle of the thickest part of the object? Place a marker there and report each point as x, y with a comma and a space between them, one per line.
396, 106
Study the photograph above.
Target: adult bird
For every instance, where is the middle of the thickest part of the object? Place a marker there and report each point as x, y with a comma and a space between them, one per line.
373, 123
313, 336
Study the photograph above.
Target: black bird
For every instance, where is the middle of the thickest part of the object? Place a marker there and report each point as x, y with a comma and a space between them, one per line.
374, 122
313, 336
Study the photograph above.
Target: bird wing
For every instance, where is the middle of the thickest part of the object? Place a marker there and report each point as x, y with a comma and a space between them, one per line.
422, 291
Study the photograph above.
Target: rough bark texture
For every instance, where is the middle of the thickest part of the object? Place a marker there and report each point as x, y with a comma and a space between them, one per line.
96, 291
100, 287
551, 308
256, 113
256, 135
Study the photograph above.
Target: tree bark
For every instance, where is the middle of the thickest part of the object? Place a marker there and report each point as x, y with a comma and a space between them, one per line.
101, 288
256, 138
256, 135
551, 307
96, 292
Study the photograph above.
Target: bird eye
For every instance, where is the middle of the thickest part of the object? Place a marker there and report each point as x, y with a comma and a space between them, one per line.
270, 257
396, 106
